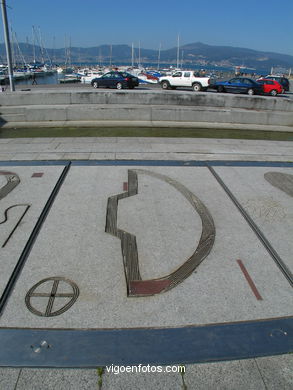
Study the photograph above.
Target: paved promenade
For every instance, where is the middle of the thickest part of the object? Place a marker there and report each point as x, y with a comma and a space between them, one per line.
216, 292
84, 148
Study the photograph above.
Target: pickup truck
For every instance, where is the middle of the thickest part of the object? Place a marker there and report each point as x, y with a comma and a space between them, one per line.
185, 78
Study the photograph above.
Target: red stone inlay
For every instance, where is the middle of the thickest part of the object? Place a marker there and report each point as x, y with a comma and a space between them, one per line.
125, 186
249, 280
147, 287
6, 173
37, 174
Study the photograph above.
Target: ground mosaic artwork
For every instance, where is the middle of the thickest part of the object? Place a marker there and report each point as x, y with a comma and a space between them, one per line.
144, 263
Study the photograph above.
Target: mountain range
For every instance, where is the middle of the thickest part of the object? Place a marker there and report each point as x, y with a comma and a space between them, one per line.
190, 54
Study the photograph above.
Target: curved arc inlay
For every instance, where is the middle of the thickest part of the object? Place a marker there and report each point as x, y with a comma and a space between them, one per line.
136, 286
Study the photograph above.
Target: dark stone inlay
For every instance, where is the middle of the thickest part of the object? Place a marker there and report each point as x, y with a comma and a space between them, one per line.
37, 174
147, 287
249, 280
12, 181
280, 180
129, 246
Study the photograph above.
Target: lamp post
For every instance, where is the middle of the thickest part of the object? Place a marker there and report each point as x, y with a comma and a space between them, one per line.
7, 45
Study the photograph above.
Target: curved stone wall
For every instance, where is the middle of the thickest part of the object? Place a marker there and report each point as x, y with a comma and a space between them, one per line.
147, 106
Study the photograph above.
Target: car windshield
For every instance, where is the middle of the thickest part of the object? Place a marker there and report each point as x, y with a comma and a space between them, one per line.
274, 78
107, 75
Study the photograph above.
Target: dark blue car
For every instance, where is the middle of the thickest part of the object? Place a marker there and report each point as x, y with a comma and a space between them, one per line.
115, 79
238, 85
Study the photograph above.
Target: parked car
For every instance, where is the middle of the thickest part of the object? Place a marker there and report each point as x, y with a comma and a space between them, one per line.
282, 80
187, 78
115, 79
238, 85
271, 87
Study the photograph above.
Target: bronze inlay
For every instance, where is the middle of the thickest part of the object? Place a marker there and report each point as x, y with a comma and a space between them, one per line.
51, 295
12, 181
135, 285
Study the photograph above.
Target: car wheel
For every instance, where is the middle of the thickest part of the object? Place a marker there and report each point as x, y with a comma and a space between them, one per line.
95, 84
274, 92
165, 85
250, 91
119, 86
221, 89
196, 87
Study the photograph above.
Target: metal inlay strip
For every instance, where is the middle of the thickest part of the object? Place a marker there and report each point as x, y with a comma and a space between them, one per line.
27, 206
183, 345
280, 263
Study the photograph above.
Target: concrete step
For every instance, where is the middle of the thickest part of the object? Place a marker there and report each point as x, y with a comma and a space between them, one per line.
12, 114
145, 98
148, 113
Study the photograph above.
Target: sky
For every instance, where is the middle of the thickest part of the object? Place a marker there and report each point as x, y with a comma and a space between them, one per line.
265, 25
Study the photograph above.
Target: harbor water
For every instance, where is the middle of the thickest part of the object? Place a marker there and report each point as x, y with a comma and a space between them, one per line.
54, 78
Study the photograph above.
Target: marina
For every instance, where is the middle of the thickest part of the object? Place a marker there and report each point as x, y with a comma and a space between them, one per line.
148, 74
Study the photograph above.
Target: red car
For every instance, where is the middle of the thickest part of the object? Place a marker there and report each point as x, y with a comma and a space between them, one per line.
271, 87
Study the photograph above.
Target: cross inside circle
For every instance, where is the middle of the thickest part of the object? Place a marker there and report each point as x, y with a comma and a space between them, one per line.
52, 295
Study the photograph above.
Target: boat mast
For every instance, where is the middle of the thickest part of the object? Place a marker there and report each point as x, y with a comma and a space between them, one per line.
69, 54
34, 44
65, 50
110, 61
53, 51
21, 56
132, 55
28, 49
7, 45
41, 45
44, 49
177, 51
159, 56
13, 49
100, 57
